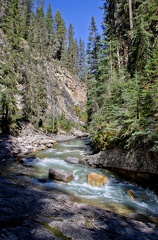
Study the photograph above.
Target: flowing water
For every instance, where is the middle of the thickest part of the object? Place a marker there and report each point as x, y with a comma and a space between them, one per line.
112, 196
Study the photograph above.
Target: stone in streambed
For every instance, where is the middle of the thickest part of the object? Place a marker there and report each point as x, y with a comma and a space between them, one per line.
130, 194
96, 179
60, 175
73, 160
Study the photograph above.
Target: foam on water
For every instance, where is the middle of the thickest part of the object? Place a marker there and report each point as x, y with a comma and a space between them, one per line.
114, 191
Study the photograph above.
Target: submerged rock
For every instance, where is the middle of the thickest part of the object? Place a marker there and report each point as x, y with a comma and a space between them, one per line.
96, 180
60, 175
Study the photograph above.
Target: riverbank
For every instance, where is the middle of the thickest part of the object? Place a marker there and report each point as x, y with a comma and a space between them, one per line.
138, 165
30, 140
31, 213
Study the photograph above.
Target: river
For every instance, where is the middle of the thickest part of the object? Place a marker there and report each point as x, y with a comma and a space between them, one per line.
111, 196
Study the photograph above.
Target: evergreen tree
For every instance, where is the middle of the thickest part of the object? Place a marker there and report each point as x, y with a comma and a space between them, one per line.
11, 64
72, 51
60, 35
25, 8
93, 50
49, 30
40, 30
12, 23
3, 5
82, 73
124, 90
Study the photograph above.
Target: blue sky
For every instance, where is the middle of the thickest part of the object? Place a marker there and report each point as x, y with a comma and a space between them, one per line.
79, 13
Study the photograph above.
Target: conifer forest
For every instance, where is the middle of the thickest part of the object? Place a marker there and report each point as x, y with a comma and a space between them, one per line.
119, 66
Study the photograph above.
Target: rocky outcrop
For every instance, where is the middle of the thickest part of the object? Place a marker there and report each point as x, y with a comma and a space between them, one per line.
60, 175
69, 92
139, 160
139, 164
30, 140
96, 179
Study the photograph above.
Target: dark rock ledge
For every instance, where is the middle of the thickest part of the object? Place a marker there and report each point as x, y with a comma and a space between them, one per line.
139, 165
39, 215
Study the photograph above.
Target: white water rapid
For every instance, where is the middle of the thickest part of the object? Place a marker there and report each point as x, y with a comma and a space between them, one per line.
112, 196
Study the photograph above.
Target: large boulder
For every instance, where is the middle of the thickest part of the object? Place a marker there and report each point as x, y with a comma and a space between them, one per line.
60, 175
130, 194
72, 160
96, 179
80, 134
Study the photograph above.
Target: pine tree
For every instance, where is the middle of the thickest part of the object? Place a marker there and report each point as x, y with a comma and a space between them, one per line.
49, 30
60, 35
3, 5
12, 23
82, 72
93, 50
25, 8
40, 30
72, 51
11, 64
126, 83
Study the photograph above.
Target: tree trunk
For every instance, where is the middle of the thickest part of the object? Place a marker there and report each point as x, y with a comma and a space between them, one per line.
130, 14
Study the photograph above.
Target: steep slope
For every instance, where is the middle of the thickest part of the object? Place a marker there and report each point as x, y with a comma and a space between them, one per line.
65, 93
38, 89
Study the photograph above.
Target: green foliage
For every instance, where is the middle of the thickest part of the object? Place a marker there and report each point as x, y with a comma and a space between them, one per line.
48, 125
59, 40
80, 112
29, 39
63, 123
123, 97
12, 24
72, 63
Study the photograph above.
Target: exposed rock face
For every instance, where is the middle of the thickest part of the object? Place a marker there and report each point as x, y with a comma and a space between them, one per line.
138, 164
60, 175
96, 180
68, 92
139, 160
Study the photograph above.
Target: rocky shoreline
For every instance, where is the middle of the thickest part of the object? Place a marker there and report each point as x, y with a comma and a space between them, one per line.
28, 141
30, 213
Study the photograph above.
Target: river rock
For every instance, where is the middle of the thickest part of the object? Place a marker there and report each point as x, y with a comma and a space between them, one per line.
130, 194
96, 179
60, 175
73, 160
80, 134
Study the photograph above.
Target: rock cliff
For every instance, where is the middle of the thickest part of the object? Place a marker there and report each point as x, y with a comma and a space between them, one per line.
69, 92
